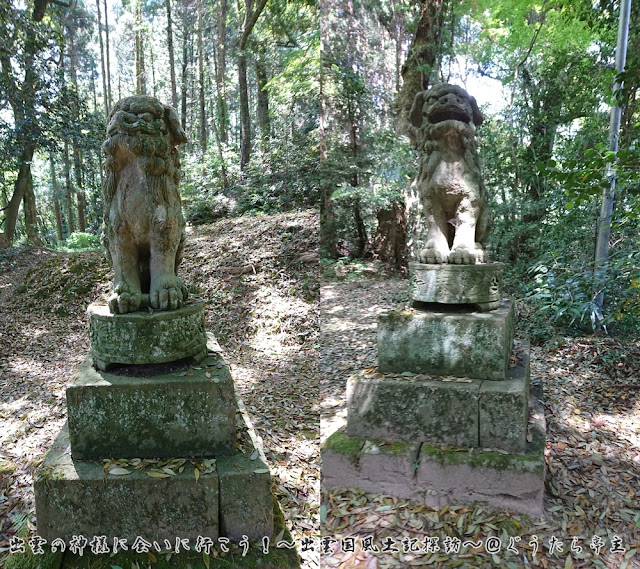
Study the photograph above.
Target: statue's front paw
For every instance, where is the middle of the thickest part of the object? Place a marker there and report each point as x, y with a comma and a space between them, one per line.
464, 256
167, 293
432, 255
124, 300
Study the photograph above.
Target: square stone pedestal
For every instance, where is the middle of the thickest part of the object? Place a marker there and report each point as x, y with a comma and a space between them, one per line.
438, 475
75, 497
447, 341
460, 412
188, 412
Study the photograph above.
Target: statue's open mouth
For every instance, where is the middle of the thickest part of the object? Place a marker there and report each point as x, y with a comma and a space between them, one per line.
449, 113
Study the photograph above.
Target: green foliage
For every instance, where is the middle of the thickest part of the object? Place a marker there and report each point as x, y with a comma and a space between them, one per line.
79, 241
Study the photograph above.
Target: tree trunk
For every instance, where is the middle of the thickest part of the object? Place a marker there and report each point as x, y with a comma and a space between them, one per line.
105, 93
172, 64
141, 82
263, 100
250, 18
362, 240
185, 53
221, 72
77, 161
31, 214
23, 182
69, 187
55, 192
203, 115
245, 119
107, 50
421, 59
390, 242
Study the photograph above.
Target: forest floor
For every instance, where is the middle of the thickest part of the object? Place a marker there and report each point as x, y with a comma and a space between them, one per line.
592, 407
259, 279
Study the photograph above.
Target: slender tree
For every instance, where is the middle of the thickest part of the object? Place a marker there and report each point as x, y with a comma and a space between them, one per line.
251, 15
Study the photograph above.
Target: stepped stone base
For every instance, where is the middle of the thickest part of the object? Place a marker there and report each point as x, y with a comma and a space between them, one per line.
479, 285
186, 412
436, 475
459, 412
447, 341
146, 337
77, 498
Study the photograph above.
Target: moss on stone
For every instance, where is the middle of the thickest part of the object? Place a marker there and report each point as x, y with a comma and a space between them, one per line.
7, 467
342, 444
481, 459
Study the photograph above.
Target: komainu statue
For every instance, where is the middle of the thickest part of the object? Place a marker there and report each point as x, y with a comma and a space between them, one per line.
452, 194
143, 224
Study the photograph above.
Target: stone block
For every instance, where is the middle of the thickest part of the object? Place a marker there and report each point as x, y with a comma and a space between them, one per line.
374, 466
398, 408
479, 284
146, 337
76, 498
436, 475
503, 407
245, 488
188, 412
447, 342
245, 497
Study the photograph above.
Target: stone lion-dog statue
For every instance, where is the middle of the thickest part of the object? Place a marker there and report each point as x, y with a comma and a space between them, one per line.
450, 186
143, 230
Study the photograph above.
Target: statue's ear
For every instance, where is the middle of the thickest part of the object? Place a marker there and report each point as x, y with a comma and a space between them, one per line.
178, 136
415, 115
477, 115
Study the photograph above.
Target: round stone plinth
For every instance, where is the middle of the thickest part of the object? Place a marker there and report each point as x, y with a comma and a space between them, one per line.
145, 337
479, 284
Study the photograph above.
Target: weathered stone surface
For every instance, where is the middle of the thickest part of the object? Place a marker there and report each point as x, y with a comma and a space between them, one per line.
245, 497
503, 407
388, 468
437, 476
409, 409
450, 185
143, 223
185, 413
480, 284
460, 344
245, 489
146, 337
75, 498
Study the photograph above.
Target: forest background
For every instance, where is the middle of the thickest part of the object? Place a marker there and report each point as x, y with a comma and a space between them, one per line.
288, 103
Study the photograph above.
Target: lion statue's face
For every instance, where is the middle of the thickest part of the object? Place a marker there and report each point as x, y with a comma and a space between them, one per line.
449, 105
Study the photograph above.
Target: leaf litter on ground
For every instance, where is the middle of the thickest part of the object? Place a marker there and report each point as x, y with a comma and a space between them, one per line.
592, 408
265, 317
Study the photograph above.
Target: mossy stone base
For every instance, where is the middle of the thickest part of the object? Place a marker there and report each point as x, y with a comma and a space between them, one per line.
189, 412
276, 558
503, 406
404, 409
479, 285
75, 497
448, 343
463, 413
146, 337
439, 475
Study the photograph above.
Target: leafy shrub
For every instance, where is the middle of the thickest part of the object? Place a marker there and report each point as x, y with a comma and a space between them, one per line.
203, 211
79, 241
